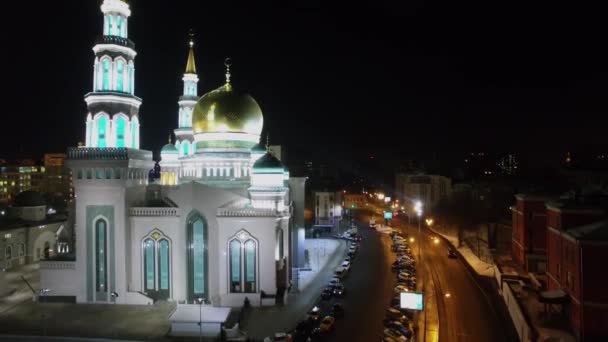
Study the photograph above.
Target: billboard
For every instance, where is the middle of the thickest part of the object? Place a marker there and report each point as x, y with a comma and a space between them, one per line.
388, 215
412, 300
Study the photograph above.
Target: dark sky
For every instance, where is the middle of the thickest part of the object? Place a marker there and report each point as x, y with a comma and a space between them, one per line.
337, 79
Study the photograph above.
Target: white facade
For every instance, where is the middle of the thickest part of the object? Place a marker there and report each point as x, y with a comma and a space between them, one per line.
429, 189
328, 207
217, 226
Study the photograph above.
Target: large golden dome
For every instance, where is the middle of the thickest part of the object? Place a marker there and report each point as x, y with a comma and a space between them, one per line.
224, 110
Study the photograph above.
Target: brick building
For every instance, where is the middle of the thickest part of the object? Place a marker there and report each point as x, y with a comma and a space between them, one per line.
577, 247
529, 238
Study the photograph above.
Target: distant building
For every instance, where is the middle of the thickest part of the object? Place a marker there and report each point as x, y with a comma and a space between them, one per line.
23, 175
529, 238
429, 189
52, 178
58, 178
577, 247
328, 207
354, 201
28, 233
508, 165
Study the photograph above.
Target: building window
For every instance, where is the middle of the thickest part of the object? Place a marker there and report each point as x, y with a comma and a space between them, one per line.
106, 73
118, 31
99, 174
235, 266
120, 131
110, 25
120, 67
197, 258
101, 131
243, 263
8, 253
79, 173
101, 255
21, 249
149, 269
250, 266
163, 264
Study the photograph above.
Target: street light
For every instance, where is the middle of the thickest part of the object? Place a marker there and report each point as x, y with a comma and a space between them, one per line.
200, 301
418, 210
114, 295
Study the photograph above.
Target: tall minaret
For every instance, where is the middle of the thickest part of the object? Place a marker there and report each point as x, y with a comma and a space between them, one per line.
183, 134
113, 108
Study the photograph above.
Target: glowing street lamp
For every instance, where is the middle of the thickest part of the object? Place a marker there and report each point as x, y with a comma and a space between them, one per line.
429, 221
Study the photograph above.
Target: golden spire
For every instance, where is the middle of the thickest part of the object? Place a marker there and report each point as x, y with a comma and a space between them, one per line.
169, 138
190, 65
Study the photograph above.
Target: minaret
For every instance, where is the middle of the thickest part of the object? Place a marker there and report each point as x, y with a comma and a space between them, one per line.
113, 108
183, 134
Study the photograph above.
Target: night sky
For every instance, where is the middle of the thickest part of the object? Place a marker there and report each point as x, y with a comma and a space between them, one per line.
341, 79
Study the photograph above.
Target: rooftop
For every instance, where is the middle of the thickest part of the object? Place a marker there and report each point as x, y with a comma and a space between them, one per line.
597, 231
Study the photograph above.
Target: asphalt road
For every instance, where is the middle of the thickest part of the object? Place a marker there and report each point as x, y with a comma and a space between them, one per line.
465, 311
369, 287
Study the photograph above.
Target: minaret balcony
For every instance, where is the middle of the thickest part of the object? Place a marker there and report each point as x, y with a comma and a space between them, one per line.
116, 40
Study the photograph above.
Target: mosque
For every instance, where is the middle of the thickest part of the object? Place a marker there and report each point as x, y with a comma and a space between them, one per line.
220, 225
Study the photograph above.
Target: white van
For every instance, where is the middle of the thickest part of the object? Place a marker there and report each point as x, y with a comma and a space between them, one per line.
372, 224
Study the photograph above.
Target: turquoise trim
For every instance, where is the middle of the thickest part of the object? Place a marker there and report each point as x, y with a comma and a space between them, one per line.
267, 170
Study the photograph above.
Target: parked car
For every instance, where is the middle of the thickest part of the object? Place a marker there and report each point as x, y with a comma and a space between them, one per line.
315, 313
403, 329
394, 334
339, 291
337, 310
335, 282
327, 324
327, 293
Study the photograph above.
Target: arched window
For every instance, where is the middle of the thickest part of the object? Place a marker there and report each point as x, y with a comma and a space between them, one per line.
99, 173
156, 251
110, 26
117, 174
79, 173
108, 173
101, 131
243, 263
101, 258
197, 257
121, 123
119, 25
186, 147
134, 136
163, 264
106, 73
89, 174
149, 267
120, 67
129, 67
235, 266
8, 252
250, 266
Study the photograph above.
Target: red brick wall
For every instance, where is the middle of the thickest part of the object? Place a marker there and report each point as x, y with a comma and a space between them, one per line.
517, 249
570, 268
554, 262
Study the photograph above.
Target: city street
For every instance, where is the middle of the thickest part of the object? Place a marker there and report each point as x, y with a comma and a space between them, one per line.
464, 311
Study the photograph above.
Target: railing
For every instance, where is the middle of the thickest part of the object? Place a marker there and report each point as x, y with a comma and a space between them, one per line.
142, 211
250, 212
116, 40
109, 153
57, 265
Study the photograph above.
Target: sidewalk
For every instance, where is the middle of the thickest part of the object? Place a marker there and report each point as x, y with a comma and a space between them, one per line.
262, 322
481, 268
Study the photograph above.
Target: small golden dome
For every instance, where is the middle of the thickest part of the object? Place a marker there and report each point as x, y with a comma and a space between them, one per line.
224, 110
